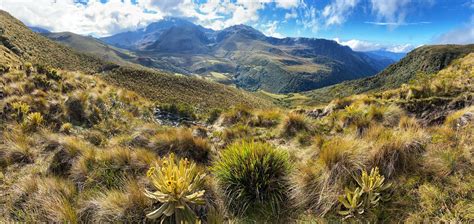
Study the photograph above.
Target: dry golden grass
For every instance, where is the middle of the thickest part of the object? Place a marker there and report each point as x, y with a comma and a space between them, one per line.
182, 143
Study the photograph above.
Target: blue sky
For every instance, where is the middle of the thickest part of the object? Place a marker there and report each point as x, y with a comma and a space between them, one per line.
396, 25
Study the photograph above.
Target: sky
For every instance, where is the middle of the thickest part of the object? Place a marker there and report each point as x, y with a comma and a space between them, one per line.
363, 25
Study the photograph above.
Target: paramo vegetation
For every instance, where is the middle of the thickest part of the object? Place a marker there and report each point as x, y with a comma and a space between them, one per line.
75, 149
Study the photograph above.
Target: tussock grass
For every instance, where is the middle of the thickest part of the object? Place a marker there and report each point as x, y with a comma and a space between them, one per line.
396, 152
240, 113
182, 143
266, 118
127, 205
294, 123
46, 199
253, 179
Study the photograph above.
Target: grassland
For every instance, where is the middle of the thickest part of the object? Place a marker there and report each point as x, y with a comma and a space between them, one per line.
75, 148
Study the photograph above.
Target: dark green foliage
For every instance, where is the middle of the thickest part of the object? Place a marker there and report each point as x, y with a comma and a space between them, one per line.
253, 178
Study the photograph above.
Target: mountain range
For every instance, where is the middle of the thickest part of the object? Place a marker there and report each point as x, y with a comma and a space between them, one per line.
238, 55
243, 56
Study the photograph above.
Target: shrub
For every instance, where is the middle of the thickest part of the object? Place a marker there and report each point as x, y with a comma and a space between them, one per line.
293, 124
32, 122
181, 142
177, 185
253, 178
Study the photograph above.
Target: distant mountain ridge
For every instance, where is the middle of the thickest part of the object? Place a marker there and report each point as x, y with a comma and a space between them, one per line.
19, 45
423, 60
244, 56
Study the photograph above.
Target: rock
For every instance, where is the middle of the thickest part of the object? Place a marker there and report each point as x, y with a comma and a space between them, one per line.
465, 119
317, 113
171, 119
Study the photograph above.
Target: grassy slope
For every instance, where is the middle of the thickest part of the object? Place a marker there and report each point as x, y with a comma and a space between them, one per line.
154, 85
93, 169
92, 46
427, 59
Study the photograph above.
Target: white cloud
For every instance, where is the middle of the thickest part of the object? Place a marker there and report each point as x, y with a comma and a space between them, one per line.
291, 15
95, 18
461, 35
287, 4
390, 10
310, 19
270, 29
337, 12
361, 45
401, 48
394, 12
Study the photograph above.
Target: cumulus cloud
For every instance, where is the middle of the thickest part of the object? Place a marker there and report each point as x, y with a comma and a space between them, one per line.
96, 18
337, 12
361, 45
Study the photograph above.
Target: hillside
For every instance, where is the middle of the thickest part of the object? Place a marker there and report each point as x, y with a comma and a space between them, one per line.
20, 45
245, 57
90, 45
422, 61
77, 149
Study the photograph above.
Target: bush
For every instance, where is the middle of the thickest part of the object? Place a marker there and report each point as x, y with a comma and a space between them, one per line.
293, 124
177, 185
253, 178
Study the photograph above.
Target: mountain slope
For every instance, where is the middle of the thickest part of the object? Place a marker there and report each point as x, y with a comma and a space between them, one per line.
20, 45
245, 57
423, 60
20, 42
92, 46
